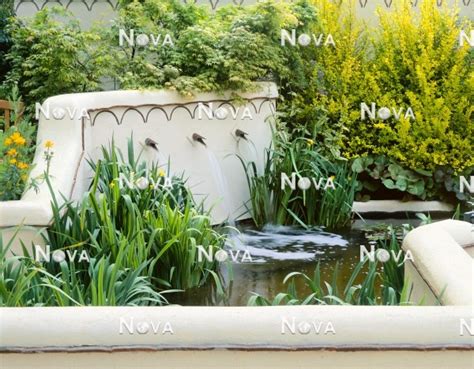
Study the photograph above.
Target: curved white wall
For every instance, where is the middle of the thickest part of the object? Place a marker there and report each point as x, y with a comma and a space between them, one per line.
442, 269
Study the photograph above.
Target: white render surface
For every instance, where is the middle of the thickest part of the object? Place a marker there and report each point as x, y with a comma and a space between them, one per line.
445, 268
397, 206
433, 337
167, 118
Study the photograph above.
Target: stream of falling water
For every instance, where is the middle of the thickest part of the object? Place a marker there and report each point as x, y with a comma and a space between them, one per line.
222, 185
251, 149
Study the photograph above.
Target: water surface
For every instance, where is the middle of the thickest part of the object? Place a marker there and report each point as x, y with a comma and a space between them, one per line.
260, 260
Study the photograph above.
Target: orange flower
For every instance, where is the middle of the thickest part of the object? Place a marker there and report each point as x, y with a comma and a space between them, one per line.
49, 144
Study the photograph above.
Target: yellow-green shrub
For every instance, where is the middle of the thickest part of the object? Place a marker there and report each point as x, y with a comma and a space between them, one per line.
418, 63
410, 59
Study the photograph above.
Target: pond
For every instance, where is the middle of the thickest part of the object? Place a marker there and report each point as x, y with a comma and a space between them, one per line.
259, 261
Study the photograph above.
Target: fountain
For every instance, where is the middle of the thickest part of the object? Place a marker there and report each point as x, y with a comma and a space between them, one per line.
162, 121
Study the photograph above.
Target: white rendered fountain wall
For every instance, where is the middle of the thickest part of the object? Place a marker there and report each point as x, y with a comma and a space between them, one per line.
168, 119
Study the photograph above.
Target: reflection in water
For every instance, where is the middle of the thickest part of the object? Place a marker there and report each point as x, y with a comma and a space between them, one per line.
275, 252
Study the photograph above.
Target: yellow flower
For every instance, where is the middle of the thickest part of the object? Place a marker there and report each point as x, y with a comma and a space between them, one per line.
8, 141
24, 177
112, 184
310, 142
49, 144
12, 152
12, 161
161, 173
22, 165
17, 138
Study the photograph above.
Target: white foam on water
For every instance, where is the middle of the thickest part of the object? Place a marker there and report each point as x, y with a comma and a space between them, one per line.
285, 243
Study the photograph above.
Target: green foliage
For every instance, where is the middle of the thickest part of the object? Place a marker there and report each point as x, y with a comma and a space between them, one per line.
158, 227
6, 11
206, 51
16, 154
25, 282
210, 52
50, 56
410, 60
273, 202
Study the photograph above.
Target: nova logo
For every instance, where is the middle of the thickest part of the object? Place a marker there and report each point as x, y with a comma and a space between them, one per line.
464, 38
143, 327
383, 255
304, 183
143, 39
306, 327
60, 255
304, 39
223, 255
464, 326
59, 113
142, 183
223, 112
464, 183
384, 112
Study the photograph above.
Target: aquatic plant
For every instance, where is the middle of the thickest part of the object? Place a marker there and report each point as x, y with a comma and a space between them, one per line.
150, 219
377, 285
279, 196
25, 281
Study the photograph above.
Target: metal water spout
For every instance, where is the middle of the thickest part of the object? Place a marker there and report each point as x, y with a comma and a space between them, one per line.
198, 138
241, 134
153, 144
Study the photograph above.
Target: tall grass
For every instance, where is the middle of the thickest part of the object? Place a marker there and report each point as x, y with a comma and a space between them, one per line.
25, 282
271, 203
156, 228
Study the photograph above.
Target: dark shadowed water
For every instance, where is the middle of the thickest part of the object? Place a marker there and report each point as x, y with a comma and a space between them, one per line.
260, 260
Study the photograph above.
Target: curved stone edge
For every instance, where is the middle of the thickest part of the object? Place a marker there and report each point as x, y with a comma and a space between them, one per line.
442, 262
